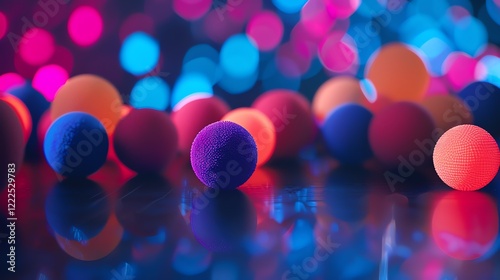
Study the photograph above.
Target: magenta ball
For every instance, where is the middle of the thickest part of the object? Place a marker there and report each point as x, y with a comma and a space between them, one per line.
403, 134
146, 140
223, 155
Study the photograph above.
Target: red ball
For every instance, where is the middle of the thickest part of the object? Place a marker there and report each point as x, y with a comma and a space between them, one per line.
403, 133
466, 157
194, 116
146, 140
292, 118
11, 142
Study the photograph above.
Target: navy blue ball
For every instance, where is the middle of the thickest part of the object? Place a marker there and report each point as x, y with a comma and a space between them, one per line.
223, 155
37, 105
483, 99
345, 131
76, 145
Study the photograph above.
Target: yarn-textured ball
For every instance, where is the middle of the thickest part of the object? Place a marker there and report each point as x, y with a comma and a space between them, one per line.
223, 155
483, 99
22, 112
402, 133
37, 105
345, 131
293, 120
90, 94
193, 116
447, 111
76, 145
146, 140
466, 158
11, 142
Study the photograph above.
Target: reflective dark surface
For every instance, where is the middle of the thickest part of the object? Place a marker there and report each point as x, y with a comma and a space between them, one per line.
308, 220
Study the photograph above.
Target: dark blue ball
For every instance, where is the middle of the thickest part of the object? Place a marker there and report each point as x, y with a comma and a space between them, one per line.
345, 132
37, 105
223, 155
76, 145
483, 99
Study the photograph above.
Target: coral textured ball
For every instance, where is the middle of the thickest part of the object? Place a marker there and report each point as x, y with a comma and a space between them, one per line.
260, 127
146, 140
22, 112
11, 142
223, 155
335, 92
192, 117
402, 133
466, 157
345, 131
398, 73
90, 94
76, 145
483, 99
292, 118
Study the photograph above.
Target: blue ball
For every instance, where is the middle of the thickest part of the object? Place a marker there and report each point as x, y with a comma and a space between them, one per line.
76, 145
483, 99
223, 155
345, 132
37, 105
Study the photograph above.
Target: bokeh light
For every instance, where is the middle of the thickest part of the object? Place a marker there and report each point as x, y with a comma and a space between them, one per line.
192, 9
240, 11
137, 22
237, 84
4, 25
289, 6
239, 56
85, 26
139, 53
204, 66
493, 9
342, 8
460, 70
315, 18
150, 92
266, 29
36, 46
48, 79
338, 55
218, 27
10, 80
470, 35
488, 69
188, 84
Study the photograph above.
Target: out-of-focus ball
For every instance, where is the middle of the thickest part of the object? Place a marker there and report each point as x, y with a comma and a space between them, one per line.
146, 140
76, 145
465, 225
194, 116
398, 73
224, 155
466, 157
292, 118
37, 105
483, 99
11, 142
403, 133
90, 94
345, 131
22, 113
260, 127
447, 111
335, 92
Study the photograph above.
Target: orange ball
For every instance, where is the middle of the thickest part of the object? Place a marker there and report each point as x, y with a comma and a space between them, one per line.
260, 127
466, 157
447, 111
398, 73
335, 92
90, 94
22, 113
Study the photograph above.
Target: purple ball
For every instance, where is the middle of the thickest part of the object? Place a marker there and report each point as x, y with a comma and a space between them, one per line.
223, 155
